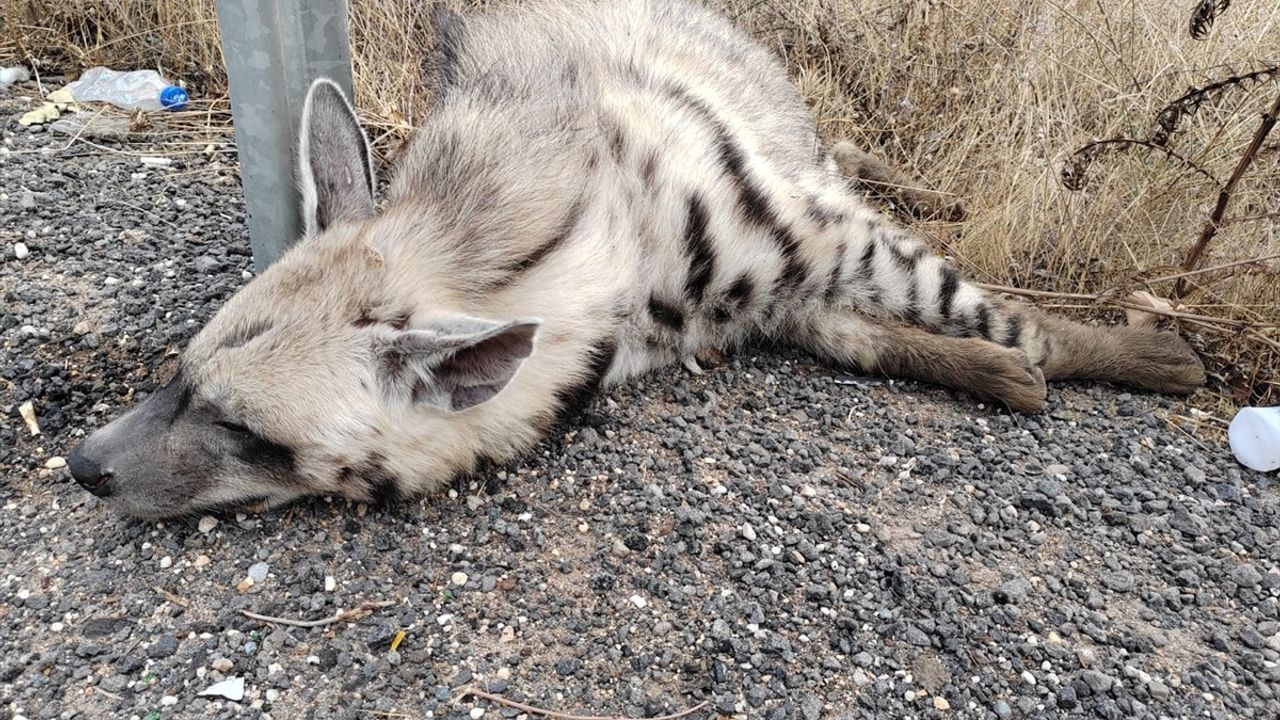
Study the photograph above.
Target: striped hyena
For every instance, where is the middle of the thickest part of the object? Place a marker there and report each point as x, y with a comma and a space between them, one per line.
603, 187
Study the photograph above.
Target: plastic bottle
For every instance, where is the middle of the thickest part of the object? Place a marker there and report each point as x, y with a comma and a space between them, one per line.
1255, 438
134, 90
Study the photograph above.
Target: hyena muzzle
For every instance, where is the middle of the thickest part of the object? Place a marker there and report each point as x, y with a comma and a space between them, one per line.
601, 187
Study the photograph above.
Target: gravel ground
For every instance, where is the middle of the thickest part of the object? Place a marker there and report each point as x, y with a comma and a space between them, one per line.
775, 537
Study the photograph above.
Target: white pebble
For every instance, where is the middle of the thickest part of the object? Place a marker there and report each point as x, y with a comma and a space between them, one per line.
56, 627
329, 583
477, 713
166, 562
258, 571
55, 462
1028, 678
443, 620
638, 601
459, 578
169, 700
748, 532
21, 251
208, 523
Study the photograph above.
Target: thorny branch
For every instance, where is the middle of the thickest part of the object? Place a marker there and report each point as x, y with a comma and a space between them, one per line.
1224, 197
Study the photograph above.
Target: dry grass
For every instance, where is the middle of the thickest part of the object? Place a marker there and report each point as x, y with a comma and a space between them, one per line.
981, 99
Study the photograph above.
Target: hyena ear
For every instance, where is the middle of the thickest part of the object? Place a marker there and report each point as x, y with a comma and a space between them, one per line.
335, 169
451, 364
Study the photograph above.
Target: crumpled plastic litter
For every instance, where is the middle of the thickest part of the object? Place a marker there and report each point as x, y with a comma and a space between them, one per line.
132, 90
232, 689
54, 105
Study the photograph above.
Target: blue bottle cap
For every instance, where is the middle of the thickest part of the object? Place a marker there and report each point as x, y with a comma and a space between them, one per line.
174, 97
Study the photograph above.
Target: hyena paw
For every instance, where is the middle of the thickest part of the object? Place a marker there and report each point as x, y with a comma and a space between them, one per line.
1163, 362
1014, 380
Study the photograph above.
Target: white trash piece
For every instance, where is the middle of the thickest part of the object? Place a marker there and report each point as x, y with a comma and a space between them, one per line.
11, 75
134, 90
1255, 438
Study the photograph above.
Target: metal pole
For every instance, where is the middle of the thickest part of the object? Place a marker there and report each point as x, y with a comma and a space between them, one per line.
273, 50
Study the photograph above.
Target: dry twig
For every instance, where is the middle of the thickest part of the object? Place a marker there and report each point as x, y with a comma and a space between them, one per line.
1224, 197
339, 616
566, 716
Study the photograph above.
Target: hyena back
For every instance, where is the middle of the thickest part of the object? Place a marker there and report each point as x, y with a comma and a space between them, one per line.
601, 188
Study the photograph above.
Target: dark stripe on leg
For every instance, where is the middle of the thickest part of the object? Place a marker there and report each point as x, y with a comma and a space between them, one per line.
571, 399
702, 259
665, 313
947, 294
982, 319
837, 273
1013, 333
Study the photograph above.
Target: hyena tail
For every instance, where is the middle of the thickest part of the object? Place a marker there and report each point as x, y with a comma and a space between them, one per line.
886, 272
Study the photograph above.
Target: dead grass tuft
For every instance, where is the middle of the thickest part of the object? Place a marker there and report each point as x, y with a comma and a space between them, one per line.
983, 100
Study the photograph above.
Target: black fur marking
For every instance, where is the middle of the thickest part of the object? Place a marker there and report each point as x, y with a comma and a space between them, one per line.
741, 291
702, 259
616, 138
572, 399
755, 205
649, 168
381, 485
257, 451
245, 335
906, 260
821, 215
665, 313
982, 319
947, 294
170, 402
562, 233
1013, 333
448, 30
866, 260
837, 273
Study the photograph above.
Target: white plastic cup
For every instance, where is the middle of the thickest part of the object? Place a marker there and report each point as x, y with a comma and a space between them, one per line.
1255, 438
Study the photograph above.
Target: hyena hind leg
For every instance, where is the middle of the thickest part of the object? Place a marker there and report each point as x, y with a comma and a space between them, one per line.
974, 365
1144, 357
890, 183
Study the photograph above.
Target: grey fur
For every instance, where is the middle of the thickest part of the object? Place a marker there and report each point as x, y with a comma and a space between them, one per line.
640, 177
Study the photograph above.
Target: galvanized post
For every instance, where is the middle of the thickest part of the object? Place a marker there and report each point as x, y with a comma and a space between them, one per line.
273, 50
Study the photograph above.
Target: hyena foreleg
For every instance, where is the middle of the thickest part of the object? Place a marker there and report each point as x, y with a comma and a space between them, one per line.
976, 366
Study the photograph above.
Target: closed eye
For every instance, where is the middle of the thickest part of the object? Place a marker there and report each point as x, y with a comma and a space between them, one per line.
236, 428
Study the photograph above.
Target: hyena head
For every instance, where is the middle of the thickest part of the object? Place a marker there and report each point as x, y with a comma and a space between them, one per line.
302, 381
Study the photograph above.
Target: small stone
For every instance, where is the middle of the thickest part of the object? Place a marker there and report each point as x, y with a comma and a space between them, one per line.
169, 700
748, 532
458, 578
1086, 656
1028, 678
221, 665
258, 571
231, 689
1121, 582
82, 328
244, 584
166, 562
1097, 681
330, 583
1002, 709
940, 703
638, 601
27, 201
477, 713
202, 560
1057, 469
55, 462
207, 524
1158, 690
20, 251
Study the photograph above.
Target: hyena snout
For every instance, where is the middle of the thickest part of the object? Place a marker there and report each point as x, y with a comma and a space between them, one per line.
89, 472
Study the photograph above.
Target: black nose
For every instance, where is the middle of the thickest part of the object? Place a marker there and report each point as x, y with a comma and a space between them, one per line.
89, 474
